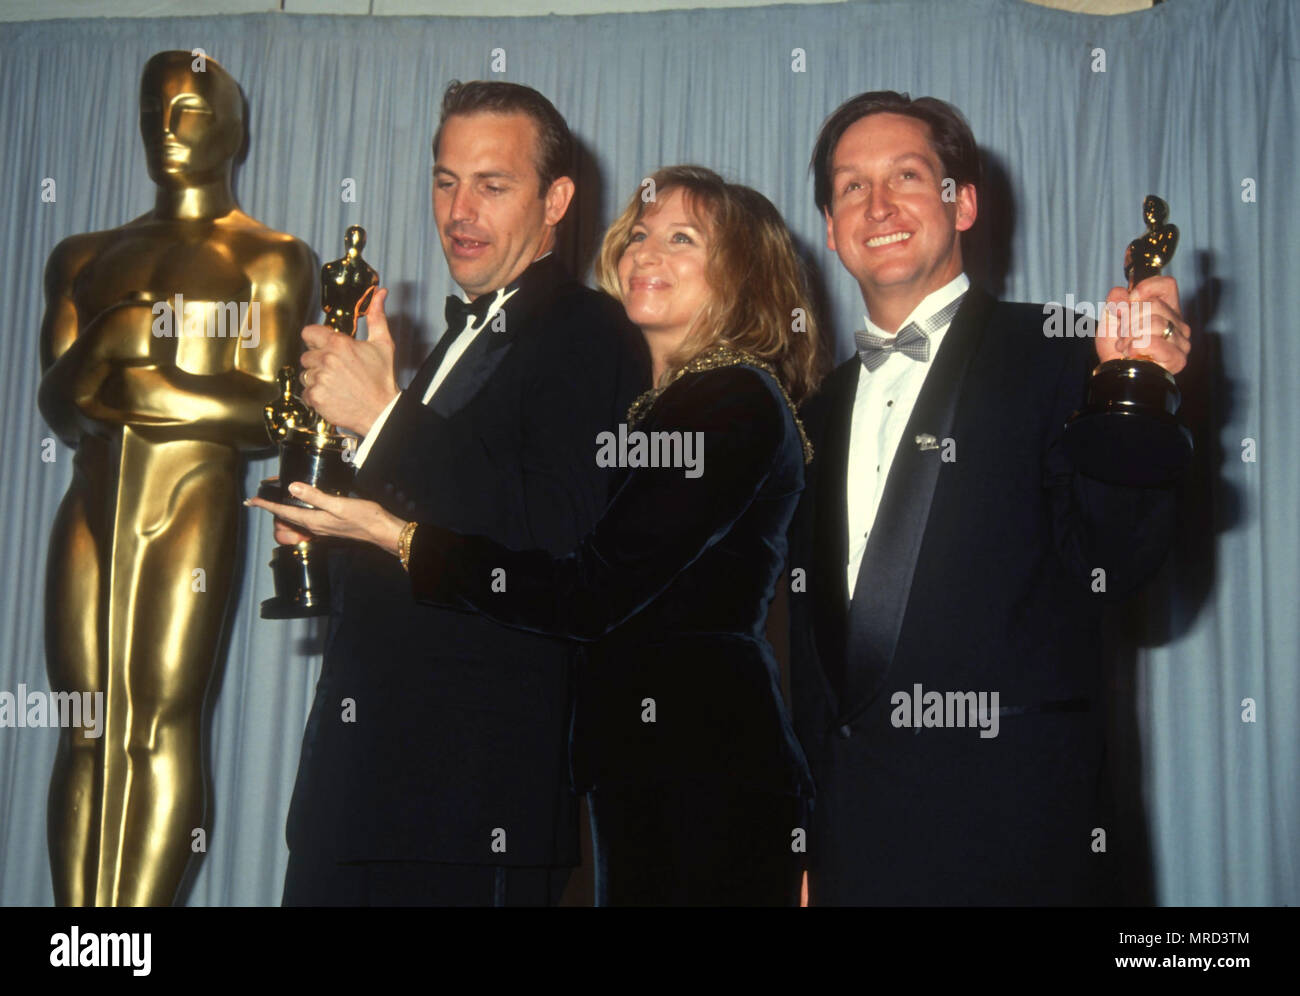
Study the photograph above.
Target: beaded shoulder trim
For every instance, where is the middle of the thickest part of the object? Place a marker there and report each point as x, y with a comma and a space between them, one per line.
713, 359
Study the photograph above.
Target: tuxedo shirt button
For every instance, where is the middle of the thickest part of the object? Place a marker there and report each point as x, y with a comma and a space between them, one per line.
845, 732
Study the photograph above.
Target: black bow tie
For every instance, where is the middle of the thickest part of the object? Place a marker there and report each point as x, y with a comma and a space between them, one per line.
458, 312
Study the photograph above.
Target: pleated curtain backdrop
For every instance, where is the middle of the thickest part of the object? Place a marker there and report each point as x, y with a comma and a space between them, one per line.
1079, 116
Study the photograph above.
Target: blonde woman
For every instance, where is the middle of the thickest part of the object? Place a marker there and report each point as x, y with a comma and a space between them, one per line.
697, 786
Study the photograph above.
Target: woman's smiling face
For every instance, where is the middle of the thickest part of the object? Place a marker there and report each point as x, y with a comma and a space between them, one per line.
661, 273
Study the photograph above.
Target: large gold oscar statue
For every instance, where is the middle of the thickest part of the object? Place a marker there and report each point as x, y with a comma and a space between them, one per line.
160, 346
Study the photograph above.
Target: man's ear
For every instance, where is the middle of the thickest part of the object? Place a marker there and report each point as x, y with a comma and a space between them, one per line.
967, 208
830, 231
558, 198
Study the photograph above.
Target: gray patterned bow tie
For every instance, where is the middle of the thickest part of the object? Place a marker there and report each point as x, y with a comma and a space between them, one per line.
913, 339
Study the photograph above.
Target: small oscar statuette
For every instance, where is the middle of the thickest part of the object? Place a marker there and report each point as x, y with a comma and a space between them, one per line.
1128, 431
312, 450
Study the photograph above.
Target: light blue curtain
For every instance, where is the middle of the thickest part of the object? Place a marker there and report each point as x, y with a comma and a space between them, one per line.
1198, 101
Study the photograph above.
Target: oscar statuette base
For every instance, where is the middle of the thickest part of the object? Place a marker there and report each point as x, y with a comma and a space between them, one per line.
300, 572
1128, 433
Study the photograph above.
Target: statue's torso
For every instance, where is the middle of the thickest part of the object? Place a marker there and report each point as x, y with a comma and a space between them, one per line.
128, 272
144, 264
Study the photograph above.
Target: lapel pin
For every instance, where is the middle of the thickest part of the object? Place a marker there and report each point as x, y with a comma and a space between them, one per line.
925, 441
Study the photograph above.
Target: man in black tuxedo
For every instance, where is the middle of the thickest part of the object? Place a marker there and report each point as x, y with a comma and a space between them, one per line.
435, 762
952, 548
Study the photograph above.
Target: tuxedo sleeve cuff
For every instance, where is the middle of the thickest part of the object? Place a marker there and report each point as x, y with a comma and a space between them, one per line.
432, 554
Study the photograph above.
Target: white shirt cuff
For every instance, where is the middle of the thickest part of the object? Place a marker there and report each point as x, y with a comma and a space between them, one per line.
363, 450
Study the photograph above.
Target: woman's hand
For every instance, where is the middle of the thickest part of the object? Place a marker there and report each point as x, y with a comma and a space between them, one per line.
331, 515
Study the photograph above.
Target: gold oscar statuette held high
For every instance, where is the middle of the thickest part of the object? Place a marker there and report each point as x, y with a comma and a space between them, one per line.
1128, 430
312, 450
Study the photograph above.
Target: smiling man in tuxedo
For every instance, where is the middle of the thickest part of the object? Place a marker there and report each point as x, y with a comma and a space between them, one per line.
953, 551
446, 783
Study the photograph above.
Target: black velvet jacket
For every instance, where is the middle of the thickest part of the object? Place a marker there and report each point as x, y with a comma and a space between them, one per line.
673, 586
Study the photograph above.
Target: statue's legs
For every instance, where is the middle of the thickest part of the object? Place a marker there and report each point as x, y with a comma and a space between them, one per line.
175, 547
174, 533
74, 662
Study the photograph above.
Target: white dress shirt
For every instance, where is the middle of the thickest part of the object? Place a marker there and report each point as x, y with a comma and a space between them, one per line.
881, 408
454, 352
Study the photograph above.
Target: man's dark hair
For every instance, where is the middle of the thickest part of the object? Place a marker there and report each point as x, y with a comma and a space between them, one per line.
553, 157
950, 136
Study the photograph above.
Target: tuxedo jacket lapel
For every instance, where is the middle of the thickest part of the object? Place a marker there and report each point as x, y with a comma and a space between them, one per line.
830, 526
475, 367
884, 581
429, 368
